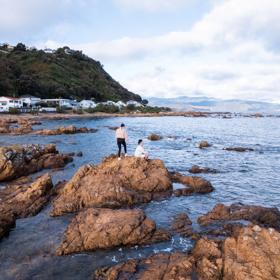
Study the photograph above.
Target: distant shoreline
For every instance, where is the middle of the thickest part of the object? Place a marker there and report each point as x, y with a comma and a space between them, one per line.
61, 116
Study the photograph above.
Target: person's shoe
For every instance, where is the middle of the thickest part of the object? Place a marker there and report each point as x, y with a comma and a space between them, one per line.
119, 158
125, 155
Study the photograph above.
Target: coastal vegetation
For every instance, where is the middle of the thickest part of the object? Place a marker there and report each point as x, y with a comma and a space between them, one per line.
61, 73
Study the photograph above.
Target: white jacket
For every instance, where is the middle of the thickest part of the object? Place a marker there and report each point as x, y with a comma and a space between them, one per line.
121, 133
139, 152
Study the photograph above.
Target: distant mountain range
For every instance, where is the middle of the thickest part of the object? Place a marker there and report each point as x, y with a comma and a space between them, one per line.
206, 104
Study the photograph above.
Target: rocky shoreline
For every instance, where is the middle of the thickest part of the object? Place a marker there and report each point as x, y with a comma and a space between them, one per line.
234, 241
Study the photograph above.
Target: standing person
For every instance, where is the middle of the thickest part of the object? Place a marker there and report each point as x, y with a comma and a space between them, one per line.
140, 151
122, 139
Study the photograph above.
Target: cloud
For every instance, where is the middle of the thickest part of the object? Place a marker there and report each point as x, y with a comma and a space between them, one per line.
231, 52
151, 5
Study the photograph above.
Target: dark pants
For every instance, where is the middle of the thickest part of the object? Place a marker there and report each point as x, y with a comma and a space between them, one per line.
120, 142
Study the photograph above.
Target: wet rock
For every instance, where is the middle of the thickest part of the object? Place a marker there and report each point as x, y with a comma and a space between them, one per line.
194, 184
21, 201
79, 154
114, 184
19, 160
263, 216
177, 266
197, 169
204, 144
27, 199
182, 225
71, 129
239, 149
105, 228
112, 127
23, 127
7, 222
253, 253
154, 137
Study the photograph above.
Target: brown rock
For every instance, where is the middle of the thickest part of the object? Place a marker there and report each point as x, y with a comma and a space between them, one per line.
154, 137
19, 160
182, 225
7, 221
263, 216
71, 129
21, 201
114, 184
204, 144
175, 266
105, 228
193, 184
253, 254
197, 169
239, 149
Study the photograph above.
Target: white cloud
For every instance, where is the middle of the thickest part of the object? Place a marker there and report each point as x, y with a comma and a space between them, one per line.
232, 52
152, 5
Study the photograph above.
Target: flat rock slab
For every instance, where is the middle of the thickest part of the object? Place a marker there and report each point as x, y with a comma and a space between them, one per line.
105, 228
113, 184
263, 216
22, 160
71, 129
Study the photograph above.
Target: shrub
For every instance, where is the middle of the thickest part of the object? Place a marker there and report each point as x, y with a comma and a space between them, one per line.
14, 111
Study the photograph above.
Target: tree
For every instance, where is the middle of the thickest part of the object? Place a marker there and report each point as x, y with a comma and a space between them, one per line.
20, 47
145, 102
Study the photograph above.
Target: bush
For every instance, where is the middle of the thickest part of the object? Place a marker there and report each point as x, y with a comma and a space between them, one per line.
107, 108
78, 111
61, 110
14, 111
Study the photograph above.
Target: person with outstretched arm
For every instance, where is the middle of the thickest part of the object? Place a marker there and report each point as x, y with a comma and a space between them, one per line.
122, 138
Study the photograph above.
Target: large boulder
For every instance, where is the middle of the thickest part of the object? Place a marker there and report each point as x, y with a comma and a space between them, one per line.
113, 184
19, 160
105, 228
71, 129
154, 137
260, 215
204, 144
23, 200
253, 253
193, 184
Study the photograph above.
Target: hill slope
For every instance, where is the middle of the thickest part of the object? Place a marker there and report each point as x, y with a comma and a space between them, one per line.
62, 74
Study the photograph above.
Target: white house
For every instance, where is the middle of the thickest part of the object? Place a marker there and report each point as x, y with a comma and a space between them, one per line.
120, 104
86, 104
7, 102
67, 103
30, 101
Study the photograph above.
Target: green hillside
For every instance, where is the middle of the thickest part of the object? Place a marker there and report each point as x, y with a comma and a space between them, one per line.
62, 74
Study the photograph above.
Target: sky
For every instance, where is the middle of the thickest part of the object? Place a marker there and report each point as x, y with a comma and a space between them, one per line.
228, 49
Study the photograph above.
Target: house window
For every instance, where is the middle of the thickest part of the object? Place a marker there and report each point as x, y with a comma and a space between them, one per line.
11, 101
4, 103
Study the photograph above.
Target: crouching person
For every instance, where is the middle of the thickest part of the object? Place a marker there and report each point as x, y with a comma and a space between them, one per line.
140, 151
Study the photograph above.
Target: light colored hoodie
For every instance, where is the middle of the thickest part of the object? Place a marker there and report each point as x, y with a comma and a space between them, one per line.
121, 133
